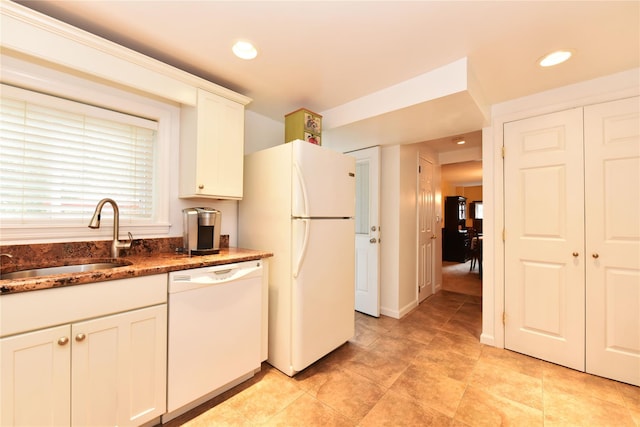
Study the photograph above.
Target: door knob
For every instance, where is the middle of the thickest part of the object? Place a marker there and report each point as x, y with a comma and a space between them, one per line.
595, 256
575, 254
372, 240
373, 228
434, 237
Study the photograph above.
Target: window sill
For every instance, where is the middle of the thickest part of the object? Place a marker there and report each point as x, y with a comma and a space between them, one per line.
12, 235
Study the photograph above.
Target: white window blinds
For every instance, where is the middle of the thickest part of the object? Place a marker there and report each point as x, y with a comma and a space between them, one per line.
58, 158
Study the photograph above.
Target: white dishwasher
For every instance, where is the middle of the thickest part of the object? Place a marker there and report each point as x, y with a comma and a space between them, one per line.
214, 331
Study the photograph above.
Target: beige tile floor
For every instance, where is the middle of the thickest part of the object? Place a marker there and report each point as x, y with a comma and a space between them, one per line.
427, 369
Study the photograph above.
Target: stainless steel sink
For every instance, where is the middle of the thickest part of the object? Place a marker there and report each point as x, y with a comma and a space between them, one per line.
63, 269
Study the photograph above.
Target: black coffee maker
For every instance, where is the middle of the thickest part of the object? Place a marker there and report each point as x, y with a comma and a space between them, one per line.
201, 231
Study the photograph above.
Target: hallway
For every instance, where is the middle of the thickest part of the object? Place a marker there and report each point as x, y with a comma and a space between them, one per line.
457, 277
428, 369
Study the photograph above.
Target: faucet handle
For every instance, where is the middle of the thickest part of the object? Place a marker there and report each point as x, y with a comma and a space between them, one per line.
128, 244
121, 244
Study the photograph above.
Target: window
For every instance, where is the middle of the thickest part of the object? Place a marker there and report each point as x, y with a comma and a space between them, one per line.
61, 207
58, 158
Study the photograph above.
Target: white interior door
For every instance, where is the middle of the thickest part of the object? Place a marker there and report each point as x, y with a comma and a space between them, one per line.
426, 232
544, 237
612, 200
367, 292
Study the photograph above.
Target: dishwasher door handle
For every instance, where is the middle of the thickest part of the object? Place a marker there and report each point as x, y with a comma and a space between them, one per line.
208, 279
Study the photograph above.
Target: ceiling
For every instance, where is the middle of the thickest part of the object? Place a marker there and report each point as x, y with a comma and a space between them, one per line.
462, 174
380, 72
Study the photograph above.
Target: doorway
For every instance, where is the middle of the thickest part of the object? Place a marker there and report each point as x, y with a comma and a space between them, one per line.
461, 186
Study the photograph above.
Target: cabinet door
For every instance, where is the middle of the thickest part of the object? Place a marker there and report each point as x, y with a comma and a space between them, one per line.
544, 227
220, 146
35, 369
612, 183
119, 368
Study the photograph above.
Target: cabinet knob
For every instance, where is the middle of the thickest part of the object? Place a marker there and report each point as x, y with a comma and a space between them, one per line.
575, 254
200, 187
63, 340
434, 237
80, 337
372, 240
595, 256
373, 228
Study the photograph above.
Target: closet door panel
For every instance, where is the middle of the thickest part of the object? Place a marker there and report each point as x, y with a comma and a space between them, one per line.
612, 201
544, 228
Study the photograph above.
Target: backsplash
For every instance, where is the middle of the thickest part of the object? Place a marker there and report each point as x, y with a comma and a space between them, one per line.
51, 254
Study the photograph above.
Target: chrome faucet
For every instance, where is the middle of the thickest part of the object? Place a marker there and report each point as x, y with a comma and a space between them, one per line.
116, 245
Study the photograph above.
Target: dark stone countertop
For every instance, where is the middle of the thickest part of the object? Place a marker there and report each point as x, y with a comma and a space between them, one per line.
140, 264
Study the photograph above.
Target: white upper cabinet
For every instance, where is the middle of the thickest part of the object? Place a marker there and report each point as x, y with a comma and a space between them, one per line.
212, 148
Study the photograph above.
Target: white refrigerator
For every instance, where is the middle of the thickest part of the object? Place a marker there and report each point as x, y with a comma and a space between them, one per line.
299, 204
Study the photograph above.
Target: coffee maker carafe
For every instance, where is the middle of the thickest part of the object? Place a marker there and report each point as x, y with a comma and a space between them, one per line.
201, 233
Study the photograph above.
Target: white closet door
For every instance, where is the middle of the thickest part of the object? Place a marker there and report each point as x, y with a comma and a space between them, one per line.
612, 197
544, 227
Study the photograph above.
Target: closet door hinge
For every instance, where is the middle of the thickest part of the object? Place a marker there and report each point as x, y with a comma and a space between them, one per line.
503, 150
504, 235
504, 318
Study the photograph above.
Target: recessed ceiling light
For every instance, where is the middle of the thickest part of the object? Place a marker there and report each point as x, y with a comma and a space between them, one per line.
555, 58
244, 49
459, 140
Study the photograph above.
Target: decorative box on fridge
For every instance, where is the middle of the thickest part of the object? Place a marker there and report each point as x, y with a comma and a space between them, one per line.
303, 124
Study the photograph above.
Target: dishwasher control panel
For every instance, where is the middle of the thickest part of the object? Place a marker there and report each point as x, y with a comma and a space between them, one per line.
207, 276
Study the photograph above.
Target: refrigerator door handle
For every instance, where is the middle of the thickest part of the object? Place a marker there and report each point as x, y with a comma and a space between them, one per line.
303, 190
303, 251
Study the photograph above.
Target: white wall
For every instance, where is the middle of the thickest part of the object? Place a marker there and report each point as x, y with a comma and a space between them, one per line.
261, 132
408, 233
399, 236
389, 230
603, 89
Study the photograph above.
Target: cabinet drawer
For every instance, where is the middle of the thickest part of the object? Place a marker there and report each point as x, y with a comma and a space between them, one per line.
29, 311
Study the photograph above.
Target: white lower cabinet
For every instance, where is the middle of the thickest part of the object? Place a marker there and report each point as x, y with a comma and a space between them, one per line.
36, 378
107, 370
119, 368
